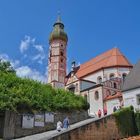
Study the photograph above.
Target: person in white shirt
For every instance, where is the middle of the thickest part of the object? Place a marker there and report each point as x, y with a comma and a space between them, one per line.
59, 126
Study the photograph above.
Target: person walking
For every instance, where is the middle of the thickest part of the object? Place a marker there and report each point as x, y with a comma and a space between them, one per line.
66, 123
99, 113
105, 111
59, 126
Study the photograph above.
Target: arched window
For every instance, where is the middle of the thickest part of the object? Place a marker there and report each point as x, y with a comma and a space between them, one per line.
96, 95
112, 76
61, 60
99, 79
61, 53
115, 85
71, 88
124, 76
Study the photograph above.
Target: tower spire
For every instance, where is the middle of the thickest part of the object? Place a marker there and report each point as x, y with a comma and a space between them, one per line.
57, 55
58, 30
58, 17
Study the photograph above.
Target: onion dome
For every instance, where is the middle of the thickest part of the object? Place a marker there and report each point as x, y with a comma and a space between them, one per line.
58, 31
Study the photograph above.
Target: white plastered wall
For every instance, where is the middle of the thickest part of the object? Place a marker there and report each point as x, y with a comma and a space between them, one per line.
124, 70
109, 71
93, 77
110, 104
95, 105
129, 98
105, 74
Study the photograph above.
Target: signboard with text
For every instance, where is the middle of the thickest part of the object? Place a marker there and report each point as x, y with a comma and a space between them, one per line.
39, 120
49, 117
28, 121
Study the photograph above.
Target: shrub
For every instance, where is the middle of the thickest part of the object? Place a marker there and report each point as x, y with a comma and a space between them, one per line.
125, 120
137, 119
18, 93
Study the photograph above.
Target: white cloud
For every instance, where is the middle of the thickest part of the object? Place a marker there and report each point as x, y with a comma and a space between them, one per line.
31, 53
25, 71
39, 48
39, 57
14, 63
26, 43
37, 54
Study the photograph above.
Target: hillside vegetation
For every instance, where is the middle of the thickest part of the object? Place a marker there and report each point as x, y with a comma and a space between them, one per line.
18, 93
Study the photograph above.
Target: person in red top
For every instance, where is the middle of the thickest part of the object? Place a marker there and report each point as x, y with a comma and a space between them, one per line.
99, 113
105, 111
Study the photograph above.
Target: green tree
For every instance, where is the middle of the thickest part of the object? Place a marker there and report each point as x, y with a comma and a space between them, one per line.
5, 66
26, 94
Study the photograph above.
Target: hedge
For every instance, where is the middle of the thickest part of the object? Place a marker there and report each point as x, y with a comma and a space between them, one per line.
125, 120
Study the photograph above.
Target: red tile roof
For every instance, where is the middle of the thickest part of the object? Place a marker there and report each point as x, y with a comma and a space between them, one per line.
119, 94
111, 58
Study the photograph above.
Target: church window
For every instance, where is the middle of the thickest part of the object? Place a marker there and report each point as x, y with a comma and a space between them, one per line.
61, 53
115, 85
61, 26
124, 76
96, 95
61, 60
112, 76
99, 79
71, 88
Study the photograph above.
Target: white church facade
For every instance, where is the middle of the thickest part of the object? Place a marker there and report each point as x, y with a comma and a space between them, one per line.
99, 80
107, 73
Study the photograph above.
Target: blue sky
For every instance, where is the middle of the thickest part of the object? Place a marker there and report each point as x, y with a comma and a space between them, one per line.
93, 27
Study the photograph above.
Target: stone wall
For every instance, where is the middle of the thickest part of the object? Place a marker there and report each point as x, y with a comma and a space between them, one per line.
13, 123
102, 129
1, 123
9, 125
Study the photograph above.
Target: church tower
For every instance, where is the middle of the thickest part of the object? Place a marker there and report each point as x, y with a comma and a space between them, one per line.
57, 55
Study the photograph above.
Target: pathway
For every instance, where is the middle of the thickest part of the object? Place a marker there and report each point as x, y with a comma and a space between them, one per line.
50, 134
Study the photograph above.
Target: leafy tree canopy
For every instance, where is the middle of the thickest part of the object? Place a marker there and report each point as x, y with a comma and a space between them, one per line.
5, 66
18, 94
